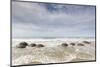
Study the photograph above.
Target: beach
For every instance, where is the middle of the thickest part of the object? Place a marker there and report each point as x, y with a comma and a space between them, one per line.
53, 51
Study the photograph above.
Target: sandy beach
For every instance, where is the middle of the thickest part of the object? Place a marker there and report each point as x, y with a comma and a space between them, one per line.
53, 51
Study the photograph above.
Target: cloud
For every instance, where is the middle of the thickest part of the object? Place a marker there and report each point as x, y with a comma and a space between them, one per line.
52, 20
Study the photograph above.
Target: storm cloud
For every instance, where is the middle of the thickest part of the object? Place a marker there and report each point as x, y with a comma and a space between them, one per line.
52, 20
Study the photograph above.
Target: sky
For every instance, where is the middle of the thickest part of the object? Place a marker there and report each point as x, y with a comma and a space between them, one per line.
31, 20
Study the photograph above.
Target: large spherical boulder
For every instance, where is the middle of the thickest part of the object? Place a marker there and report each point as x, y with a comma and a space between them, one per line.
86, 42
22, 44
40, 45
32, 45
73, 44
80, 44
64, 44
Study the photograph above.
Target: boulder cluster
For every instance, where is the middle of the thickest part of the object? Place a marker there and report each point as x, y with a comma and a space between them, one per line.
25, 44
77, 44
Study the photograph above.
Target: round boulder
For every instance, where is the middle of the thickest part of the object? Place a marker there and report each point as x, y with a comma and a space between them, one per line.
40, 45
86, 42
32, 45
64, 44
80, 44
73, 44
22, 45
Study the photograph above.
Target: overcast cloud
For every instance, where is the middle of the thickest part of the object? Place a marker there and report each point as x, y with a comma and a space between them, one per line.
52, 20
